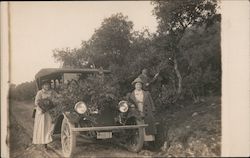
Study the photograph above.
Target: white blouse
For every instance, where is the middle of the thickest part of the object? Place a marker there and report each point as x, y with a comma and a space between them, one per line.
139, 98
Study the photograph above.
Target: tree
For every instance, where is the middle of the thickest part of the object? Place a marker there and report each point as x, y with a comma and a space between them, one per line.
74, 58
108, 45
111, 42
115, 46
23, 91
202, 73
174, 17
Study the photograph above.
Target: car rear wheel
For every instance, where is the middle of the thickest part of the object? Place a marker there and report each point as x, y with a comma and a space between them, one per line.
135, 137
68, 138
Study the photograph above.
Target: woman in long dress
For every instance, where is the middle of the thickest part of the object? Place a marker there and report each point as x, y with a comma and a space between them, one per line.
43, 126
144, 102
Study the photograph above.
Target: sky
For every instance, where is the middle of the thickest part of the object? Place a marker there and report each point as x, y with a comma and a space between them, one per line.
37, 28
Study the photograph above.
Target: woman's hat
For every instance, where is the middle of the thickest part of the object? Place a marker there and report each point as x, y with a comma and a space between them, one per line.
137, 80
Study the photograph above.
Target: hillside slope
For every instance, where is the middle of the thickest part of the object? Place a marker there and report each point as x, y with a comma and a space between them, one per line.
193, 129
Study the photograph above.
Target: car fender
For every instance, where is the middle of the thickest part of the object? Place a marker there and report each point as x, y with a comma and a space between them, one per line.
72, 117
133, 112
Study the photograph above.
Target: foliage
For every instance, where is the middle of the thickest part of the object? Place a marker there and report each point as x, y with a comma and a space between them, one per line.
111, 41
46, 104
187, 41
198, 48
73, 58
203, 55
97, 91
23, 91
174, 17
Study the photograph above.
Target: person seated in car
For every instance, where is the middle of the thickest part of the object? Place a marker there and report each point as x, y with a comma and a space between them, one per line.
144, 102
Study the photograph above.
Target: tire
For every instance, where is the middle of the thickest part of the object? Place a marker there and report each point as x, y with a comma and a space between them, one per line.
68, 138
159, 137
136, 137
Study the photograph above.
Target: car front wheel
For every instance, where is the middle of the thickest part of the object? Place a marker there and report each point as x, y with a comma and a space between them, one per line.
68, 138
135, 137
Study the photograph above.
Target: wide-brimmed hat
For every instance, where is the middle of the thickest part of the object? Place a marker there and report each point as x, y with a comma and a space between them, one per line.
137, 80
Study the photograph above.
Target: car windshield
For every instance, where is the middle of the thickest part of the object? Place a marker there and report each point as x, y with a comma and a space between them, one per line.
69, 78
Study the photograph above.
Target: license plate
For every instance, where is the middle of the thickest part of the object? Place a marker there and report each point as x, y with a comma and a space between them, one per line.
104, 135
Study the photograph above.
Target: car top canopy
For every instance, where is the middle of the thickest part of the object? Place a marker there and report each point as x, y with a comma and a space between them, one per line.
53, 73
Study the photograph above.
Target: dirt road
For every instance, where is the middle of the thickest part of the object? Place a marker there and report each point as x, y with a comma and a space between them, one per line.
21, 118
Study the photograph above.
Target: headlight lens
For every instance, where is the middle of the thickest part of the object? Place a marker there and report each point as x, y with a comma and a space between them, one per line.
123, 106
80, 107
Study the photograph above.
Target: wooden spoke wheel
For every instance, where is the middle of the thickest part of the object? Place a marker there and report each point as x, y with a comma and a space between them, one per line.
135, 137
68, 138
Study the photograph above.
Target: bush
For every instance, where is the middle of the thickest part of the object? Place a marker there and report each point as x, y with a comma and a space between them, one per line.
97, 91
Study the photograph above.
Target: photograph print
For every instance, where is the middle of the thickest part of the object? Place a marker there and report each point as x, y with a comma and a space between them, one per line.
115, 79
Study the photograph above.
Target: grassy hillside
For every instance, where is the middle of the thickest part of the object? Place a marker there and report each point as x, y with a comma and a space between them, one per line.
193, 129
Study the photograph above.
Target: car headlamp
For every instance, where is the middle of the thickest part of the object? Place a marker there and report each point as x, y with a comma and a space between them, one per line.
123, 106
80, 107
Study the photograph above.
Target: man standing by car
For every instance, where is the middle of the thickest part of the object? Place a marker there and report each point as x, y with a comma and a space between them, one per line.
144, 76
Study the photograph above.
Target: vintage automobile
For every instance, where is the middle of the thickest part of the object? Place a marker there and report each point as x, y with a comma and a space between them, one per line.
122, 123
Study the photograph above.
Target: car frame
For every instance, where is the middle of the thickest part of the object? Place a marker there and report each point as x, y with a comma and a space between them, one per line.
127, 121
